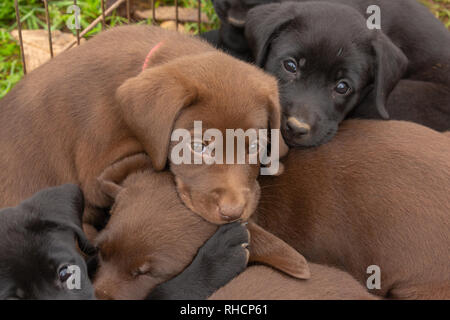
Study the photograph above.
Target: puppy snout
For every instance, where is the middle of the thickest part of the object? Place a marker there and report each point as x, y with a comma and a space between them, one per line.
298, 127
231, 205
231, 212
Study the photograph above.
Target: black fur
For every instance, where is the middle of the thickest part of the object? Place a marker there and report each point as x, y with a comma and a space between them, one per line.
335, 46
38, 237
230, 36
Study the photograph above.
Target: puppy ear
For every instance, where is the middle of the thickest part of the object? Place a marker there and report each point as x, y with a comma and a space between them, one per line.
150, 104
83, 242
268, 249
62, 206
236, 15
391, 64
262, 26
112, 177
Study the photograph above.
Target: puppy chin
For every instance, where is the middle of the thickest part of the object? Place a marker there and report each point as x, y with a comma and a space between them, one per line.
212, 215
214, 218
236, 22
312, 140
237, 17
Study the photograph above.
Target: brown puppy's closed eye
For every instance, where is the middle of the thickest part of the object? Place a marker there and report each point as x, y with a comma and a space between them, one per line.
220, 93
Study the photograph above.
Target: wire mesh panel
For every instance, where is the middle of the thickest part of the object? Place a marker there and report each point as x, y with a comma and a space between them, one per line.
105, 12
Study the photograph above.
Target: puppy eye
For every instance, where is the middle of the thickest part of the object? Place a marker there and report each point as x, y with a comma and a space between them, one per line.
63, 273
198, 147
342, 88
290, 65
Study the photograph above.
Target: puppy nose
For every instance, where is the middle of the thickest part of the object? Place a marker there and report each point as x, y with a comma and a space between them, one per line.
231, 212
298, 127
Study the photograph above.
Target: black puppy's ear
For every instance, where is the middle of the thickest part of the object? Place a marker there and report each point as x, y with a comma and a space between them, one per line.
112, 177
262, 26
391, 65
232, 12
83, 243
62, 206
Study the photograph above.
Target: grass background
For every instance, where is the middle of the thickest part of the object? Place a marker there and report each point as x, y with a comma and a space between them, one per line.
33, 17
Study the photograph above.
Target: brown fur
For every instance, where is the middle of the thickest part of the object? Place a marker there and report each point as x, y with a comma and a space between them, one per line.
378, 194
264, 283
152, 236
90, 107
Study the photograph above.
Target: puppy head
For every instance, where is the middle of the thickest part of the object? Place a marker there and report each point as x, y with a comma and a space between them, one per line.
38, 253
223, 94
234, 12
151, 236
326, 61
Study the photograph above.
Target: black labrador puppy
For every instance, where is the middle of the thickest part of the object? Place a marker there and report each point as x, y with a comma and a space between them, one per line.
326, 60
38, 248
40, 259
331, 66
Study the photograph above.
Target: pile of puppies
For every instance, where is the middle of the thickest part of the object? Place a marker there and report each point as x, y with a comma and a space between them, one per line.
98, 121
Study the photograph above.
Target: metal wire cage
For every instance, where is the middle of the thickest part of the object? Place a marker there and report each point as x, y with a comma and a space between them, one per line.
100, 19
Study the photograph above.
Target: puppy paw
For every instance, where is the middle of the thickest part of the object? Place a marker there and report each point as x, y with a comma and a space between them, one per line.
218, 261
225, 254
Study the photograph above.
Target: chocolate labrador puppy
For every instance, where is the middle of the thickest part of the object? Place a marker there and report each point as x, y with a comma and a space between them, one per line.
38, 248
151, 237
38, 253
124, 92
377, 195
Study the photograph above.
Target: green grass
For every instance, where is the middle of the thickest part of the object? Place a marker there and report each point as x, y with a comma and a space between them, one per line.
440, 8
32, 14
206, 6
33, 17
10, 63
